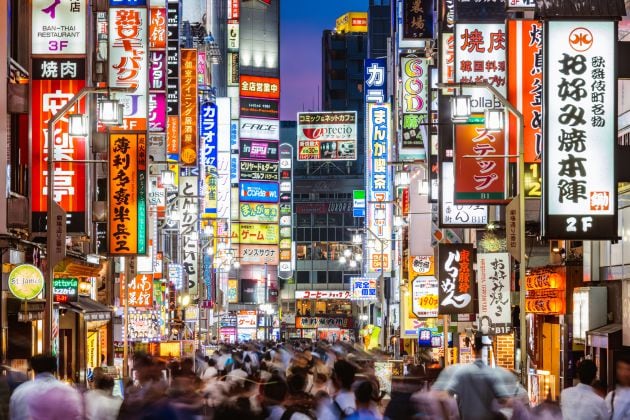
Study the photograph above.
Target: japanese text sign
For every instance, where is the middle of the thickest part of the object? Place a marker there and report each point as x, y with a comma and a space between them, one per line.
65, 289
258, 254
363, 288
375, 80
255, 233
129, 62
157, 28
456, 281
525, 88
58, 27
493, 278
188, 205
417, 19
379, 183
188, 107
322, 294
455, 215
424, 296
580, 189
546, 290
479, 179
144, 325
327, 135
259, 87
258, 171
127, 194
259, 192
55, 82
480, 56
140, 291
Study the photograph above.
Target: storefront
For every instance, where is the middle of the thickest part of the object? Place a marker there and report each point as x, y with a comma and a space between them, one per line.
246, 323
332, 328
227, 328
323, 302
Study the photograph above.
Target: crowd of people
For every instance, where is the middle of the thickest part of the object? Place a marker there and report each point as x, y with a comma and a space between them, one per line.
299, 382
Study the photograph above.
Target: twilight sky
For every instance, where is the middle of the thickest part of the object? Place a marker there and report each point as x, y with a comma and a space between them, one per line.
301, 26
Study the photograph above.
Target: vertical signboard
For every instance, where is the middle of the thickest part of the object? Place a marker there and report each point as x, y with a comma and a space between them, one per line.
58, 27
189, 227
208, 136
580, 127
479, 179
127, 192
379, 183
129, 62
172, 79
480, 57
188, 107
417, 19
415, 85
454, 215
375, 80
54, 82
525, 88
285, 268
456, 282
493, 283
140, 291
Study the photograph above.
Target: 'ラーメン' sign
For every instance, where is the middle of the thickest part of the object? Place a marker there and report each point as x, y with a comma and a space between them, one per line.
580, 125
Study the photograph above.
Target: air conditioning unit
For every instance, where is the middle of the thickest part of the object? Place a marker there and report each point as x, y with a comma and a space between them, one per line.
17, 212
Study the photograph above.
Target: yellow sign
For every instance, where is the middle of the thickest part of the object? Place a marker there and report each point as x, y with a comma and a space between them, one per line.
26, 282
92, 349
421, 266
255, 233
352, 22
259, 212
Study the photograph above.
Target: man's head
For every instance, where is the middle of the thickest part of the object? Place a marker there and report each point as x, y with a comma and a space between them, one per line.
274, 391
586, 371
344, 374
44, 363
296, 383
363, 394
623, 371
477, 344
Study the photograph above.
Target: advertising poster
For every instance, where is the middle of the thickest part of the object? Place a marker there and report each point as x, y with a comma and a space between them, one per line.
327, 136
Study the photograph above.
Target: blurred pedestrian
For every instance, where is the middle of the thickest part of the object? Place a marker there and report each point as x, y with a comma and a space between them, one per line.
45, 397
581, 401
478, 393
618, 401
100, 404
273, 395
363, 394
342, 403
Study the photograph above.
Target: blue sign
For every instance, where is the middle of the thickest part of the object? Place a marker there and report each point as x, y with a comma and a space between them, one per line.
375, 80
258, 192
363, 288
208, 132
125, 3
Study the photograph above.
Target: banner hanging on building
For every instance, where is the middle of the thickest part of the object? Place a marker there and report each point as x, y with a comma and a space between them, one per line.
327, 136
188, 107
480, 57
127, 194
375, 80
379, 188
456, 281
525, 88
479, 179
54, 82
580, 127
493, 284
188, 207
129, 62
58, 27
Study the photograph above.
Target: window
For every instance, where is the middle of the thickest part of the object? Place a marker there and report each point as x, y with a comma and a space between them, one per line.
303, 219
321, 277
335, 277
303, 277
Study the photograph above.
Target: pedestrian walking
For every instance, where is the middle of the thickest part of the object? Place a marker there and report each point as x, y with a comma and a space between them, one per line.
581, 402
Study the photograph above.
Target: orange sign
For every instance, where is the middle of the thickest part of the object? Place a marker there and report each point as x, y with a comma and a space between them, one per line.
546, 291
525, 61
157, 28
127, 194
546, 278
140, 291
260, 87
188, 107
479, 179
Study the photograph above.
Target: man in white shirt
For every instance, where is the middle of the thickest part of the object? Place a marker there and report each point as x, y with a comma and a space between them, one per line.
45, 397
581, 401
618, 401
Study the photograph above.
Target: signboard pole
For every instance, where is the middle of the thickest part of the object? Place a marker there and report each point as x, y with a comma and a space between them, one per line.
445, 319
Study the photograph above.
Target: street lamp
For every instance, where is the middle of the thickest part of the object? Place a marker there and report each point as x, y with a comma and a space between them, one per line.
494, 119
521, 195
460, 107
50, 139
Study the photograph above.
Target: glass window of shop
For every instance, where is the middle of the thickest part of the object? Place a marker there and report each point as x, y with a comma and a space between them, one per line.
307, 307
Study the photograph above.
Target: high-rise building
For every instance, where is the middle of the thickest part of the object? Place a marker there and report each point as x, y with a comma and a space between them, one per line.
379, 26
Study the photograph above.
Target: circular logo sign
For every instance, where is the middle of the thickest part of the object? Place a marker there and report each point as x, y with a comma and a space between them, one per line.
581, 39
26, 282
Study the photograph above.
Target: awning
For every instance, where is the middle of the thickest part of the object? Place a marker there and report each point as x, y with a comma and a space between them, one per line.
91, 309
74, 267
